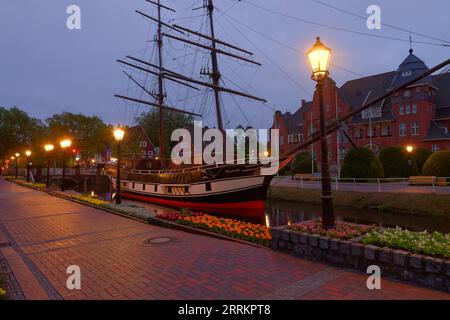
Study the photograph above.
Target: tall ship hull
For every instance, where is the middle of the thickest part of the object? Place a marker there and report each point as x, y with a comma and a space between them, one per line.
236, 191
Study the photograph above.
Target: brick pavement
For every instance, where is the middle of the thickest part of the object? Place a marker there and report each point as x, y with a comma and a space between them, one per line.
46, 234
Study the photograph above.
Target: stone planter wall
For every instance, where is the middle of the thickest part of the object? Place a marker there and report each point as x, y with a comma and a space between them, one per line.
398, 264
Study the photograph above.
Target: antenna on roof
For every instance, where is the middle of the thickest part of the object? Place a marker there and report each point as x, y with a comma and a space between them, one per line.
410, 44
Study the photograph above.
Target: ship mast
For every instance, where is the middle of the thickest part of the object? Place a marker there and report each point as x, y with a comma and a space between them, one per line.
160, 87
215, 75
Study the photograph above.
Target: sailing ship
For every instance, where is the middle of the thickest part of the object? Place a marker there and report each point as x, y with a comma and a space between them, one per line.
235, 189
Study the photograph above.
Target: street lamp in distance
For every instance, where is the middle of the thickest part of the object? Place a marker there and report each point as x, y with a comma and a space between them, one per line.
28, 154
17, 164
66, 143
118, 136
410, 150
319, 58
48, 148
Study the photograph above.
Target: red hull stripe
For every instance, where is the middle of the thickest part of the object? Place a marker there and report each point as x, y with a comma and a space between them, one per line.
246, 208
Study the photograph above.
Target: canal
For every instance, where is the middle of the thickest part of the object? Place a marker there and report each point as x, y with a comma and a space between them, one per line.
279, 213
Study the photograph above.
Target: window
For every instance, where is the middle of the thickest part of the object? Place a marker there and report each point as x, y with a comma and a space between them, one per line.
402, 112
407, 94
445, 129
408, 109
414, 108
406, 73
143, 144
342, 154
371, 113
435, 148
402, 129
290, 139
300, 137
281, 140
208, 186
385, 131
415, 129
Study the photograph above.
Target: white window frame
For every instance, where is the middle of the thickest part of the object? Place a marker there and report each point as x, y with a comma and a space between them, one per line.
415, 127
402, 129
407, 109
407, 73
435, 148
402, 110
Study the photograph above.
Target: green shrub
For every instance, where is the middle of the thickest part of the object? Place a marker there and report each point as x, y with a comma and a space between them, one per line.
361, 163
431, 244
301, 165
438, 164
395, 163
421, 155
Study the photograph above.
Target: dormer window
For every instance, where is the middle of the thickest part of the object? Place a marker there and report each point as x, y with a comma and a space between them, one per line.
406, 73
407, 94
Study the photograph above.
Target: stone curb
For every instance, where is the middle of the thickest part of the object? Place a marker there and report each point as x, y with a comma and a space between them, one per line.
402, 265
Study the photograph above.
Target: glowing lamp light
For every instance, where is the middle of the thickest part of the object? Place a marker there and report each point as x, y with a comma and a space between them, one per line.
119, 134
12, 158
49, 147
17, 155
319, 57
28, 153
409, 149
65, 143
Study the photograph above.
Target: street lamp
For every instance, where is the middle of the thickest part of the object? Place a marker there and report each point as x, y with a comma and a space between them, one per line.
17, 164
319, 58
64, 145
410, 150
48, 148
28, 154
118, 136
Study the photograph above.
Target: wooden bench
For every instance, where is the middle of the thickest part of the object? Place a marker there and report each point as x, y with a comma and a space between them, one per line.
421, 180
304, 177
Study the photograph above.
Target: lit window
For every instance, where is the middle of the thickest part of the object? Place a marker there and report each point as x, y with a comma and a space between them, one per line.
435, 148
402, 112
402, 129
407, 109
414, 108
406, 73
415, 129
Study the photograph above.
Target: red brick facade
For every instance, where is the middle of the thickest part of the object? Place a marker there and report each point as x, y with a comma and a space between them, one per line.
418, 116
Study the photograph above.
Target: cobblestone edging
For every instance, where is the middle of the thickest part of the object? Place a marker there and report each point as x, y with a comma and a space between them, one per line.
398, 264
12, 287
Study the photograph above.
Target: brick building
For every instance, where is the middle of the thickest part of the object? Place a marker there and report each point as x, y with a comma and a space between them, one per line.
418, 116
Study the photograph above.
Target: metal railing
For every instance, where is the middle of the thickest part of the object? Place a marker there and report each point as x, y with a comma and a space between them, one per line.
411, 184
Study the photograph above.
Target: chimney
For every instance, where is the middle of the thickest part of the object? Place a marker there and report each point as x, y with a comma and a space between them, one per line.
303, 102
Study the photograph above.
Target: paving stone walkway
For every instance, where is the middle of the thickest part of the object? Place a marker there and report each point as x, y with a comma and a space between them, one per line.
41, 235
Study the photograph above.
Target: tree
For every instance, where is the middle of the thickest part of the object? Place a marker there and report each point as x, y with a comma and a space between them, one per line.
362, 163
89, 134
395, 162
421, 155
438, 164
18, 131
302, 164
172, 121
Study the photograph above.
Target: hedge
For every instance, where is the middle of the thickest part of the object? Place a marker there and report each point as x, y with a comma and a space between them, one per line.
421, 155
395, 163
438, 164
362, 163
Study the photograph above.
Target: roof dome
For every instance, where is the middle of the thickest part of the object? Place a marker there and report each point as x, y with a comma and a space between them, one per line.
409, 69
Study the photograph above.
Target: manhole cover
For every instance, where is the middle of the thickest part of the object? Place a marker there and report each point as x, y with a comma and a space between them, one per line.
160, 241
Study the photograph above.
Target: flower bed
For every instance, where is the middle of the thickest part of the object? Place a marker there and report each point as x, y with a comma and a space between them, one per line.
431, 244
229, 227
343, 230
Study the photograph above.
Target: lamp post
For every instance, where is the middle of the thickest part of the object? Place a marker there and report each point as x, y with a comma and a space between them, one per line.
64, 145
48, 148
17, 164
11, 163
410, 150
28, 154
118, 136
319, 58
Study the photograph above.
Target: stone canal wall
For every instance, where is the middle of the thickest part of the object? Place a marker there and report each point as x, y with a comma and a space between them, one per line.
397, 264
